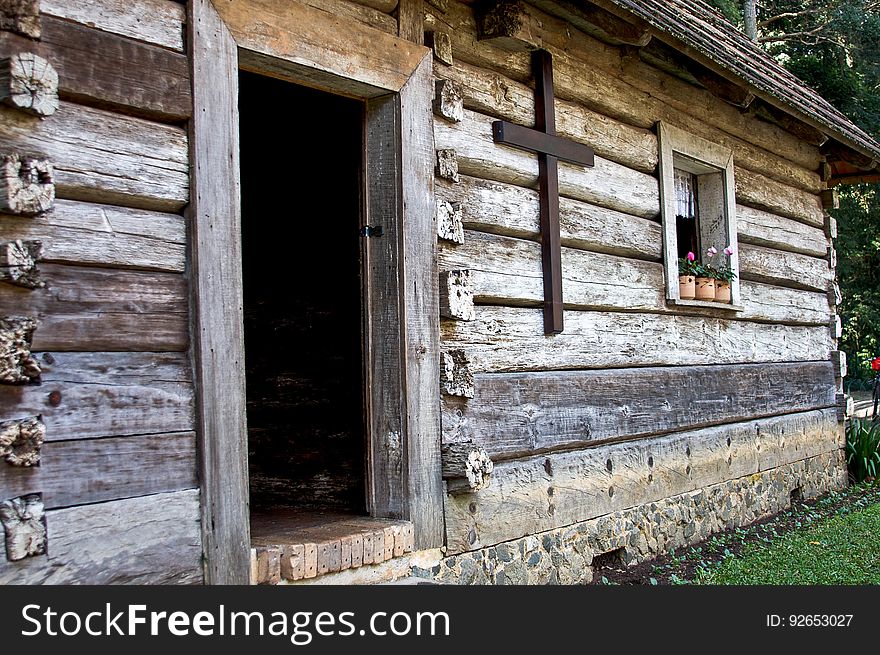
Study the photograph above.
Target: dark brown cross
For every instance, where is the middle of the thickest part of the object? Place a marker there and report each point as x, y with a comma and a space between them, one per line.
550, 149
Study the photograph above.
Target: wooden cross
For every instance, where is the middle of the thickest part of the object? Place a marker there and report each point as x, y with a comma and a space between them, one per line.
550, 149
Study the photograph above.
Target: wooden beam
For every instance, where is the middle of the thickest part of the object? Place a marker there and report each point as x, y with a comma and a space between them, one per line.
215, 221
28, 83
597, 22
410, 19
466, 463
789, 123
27, 185
21, 16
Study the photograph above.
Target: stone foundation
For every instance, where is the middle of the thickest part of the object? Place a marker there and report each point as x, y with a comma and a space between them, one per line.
565, 555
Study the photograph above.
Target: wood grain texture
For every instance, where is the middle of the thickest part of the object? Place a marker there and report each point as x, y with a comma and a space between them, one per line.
756, 190
785, 268
511, 339
148, 540
375, 14
516, 414
410, 20
103, 235
762, 228
546, 492
100, 156
594, 74
606, 184
28, 82
160, 22
88, 471
507, 271
96, 309
353, 58
108, 70
215, 219
88, 395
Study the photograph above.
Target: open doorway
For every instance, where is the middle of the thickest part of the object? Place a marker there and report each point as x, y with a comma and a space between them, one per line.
301, 198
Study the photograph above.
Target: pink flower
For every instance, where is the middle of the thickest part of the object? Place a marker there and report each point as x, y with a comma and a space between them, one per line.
728, 251
691, 257
712, 251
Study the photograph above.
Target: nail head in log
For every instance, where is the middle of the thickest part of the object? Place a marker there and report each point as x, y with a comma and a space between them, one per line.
21, 17
448, 102
456, 378
457, 295
441, 45
29, 83
464, 461
17, 365
447, 165
449, 222
22, 440
18, 263
27, 185
24, 523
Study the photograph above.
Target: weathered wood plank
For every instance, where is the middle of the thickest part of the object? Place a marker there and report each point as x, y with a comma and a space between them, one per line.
546, 492
373, 14
511, 339
762, 228
349, 56
97, 470
515, 414
494, 95
215, 265
410, 19
592, 73
103, 235
785, 268
160, 22
96, 309
88, 395
100, 156
756, 190
103, 69
148, 540
607, 183
510, 210
505, 270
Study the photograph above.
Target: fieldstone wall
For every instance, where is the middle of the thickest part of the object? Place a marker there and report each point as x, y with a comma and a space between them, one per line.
565, 555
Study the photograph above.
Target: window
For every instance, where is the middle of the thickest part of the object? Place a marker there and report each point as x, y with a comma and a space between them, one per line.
698, 207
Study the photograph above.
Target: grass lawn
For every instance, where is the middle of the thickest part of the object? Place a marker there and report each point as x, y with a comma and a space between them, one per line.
840, 549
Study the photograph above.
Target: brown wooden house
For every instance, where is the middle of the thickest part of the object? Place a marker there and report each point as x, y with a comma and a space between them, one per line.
354, 290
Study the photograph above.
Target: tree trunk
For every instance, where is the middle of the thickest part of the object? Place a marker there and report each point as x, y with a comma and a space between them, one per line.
750, 14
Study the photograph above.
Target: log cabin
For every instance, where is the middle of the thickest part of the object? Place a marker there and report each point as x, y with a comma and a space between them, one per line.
491, 375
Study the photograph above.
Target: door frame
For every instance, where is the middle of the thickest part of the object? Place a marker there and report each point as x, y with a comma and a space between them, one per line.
393, 77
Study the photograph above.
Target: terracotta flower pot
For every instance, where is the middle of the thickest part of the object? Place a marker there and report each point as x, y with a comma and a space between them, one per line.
705, 288
722, 291
686, 287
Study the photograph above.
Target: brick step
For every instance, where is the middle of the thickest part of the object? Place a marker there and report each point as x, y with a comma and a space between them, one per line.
292, 546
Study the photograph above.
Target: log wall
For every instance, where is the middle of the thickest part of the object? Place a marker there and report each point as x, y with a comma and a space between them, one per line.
631, 377
117, 473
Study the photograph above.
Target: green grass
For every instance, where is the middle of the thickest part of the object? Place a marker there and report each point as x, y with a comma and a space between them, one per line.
840, 549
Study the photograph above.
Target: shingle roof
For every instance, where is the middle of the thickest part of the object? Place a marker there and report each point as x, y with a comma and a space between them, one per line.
696, 25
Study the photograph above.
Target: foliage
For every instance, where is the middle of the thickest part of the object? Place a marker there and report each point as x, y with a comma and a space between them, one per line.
863, 449
687, 265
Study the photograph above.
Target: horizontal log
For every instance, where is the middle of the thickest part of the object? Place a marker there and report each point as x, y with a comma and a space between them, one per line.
508, 271
606, 184
545, 492
756, 190
97, 470
494, 95
88, 395
95, 309
592, 73
104, 157
160, 22
98, 68
785, 268
762, 228
375, 13
466, 463
516, 414
512, 339
104, 235
149, 540
511, 210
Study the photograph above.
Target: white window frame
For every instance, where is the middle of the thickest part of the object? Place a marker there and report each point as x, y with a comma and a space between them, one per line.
681, 149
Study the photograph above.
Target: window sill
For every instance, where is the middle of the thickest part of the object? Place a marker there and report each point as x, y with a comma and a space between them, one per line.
706, 304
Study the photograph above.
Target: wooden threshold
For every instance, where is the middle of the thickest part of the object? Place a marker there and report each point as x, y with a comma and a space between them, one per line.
294, 544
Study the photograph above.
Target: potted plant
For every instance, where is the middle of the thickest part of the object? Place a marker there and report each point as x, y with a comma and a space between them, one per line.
705, 278
686, 278
724, 275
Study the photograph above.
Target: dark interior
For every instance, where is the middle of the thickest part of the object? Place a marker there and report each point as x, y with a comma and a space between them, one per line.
300, 183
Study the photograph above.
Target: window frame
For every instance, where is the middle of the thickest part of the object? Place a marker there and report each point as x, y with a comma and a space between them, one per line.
674, 141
